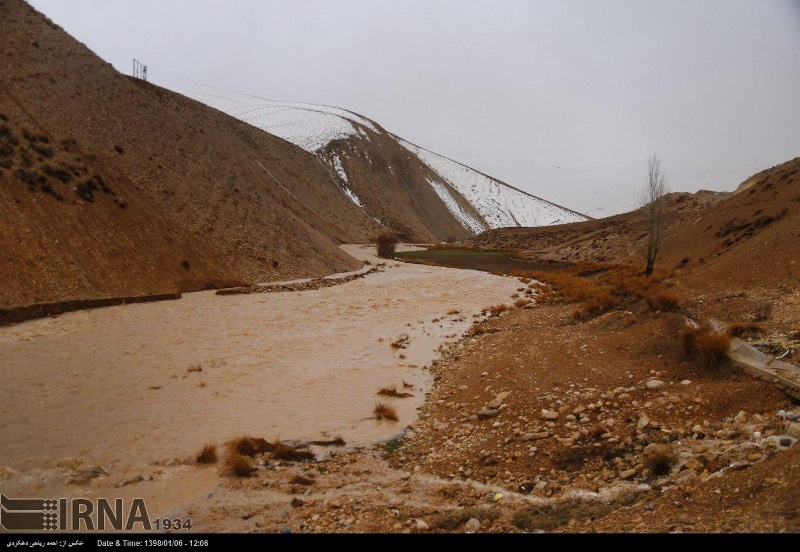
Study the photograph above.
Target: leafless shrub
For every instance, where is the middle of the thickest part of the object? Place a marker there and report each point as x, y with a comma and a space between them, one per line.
385, 412
386, 245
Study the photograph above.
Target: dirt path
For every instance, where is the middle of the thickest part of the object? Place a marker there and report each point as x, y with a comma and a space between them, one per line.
116, 387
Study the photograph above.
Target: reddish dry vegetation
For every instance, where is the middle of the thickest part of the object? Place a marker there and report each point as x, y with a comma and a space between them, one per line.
240, 451
659, 458
238, 466
282, 451
497, 309
249, 446
601, 287
386, 244
391, 391
702, 341
207, 455
385, 412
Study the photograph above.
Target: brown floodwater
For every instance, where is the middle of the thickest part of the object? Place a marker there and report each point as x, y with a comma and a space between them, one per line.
114, 385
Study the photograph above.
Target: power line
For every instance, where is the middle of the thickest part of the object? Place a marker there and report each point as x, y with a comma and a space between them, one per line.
504, 159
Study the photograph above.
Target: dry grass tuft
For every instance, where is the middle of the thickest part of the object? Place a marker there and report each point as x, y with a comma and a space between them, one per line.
663, 300
385, 412
194, 368
391, 391
207, 455
282, 451
497, 309
453, 312
249, 446
705, 343
239, 466
659, 459
522, 302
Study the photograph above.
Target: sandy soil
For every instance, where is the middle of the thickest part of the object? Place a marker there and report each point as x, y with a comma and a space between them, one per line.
114, 387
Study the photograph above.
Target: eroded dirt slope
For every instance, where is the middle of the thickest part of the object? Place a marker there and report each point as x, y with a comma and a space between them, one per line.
113, 186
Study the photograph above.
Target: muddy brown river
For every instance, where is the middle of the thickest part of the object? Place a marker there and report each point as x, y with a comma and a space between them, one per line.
115, 385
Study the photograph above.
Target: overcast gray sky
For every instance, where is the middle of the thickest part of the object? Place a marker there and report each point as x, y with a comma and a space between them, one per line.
564, 99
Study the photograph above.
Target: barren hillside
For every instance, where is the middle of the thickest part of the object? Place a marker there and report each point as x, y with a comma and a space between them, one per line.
410, 189
714, 240
731, 257
113, 186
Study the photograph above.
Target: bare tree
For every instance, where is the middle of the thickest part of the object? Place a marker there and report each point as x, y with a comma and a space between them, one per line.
654, 204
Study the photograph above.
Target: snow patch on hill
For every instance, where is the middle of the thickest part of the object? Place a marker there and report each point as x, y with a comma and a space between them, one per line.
466, 220
312, 127
499, 204
337, 166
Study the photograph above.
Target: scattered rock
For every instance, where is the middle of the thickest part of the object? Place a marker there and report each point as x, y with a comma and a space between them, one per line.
498, 400
627, 474
740, 418
132, 481
654, 384
793, 430
421, 525
548, 414
643, 421
473, 525
486, 413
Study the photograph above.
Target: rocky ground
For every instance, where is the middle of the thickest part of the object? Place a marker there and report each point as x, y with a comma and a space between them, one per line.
539, 423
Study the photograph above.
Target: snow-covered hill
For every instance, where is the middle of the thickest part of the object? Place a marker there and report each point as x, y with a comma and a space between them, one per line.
498, 203
494, 204
312, 127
